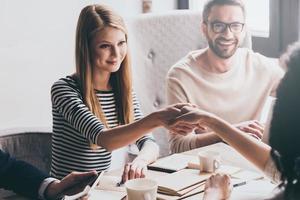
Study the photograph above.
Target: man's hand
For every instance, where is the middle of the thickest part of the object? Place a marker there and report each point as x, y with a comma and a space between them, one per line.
167, 115
189, 116
135, 169
72, 184
218, 187
253, 128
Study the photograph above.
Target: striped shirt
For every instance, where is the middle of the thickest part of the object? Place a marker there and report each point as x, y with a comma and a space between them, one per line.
75, 128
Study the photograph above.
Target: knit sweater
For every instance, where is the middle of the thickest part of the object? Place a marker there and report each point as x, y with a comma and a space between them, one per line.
237, 95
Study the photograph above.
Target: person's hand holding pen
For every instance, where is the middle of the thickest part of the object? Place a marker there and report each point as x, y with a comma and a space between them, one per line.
135, 169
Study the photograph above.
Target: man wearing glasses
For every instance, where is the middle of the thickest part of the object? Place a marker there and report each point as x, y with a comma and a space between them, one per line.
223, 79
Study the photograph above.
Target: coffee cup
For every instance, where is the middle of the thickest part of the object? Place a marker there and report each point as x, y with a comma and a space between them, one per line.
141, 189
209, 161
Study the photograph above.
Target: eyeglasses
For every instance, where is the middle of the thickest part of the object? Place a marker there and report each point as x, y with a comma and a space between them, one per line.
220, 27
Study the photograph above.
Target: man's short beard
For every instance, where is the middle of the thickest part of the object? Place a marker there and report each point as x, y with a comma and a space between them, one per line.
220, 53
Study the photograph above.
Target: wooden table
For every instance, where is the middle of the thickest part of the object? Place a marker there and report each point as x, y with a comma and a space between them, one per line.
257, 189
253, 190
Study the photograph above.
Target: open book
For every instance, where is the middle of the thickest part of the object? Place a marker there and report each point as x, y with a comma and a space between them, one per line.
172, 163
188, 182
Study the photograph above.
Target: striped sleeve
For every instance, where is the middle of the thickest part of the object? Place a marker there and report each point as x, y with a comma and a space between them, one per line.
138, 115
67, 100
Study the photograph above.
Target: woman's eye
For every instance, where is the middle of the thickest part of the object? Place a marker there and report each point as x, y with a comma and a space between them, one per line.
122, 43
104, 46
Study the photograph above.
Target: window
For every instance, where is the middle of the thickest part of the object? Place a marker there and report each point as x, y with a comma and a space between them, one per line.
258, 17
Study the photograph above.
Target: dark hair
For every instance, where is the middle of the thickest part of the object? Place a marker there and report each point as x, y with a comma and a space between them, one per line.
209, 4
285, 125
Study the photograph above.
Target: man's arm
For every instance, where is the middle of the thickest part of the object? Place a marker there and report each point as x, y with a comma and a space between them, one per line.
176, 93
180, 143
73, 183
20, 176
26, 180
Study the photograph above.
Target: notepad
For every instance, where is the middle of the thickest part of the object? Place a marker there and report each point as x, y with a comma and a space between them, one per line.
188, 182
181, 182
196, 191
172, 163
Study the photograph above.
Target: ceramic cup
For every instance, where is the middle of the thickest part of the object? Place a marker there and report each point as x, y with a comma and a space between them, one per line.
209, 161
141, 189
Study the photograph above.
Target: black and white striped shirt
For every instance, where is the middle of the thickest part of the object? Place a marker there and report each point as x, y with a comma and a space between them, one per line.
75, 127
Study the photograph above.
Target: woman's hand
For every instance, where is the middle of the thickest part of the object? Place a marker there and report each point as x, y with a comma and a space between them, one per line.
218, 187
189, 117
135, 169
168, 114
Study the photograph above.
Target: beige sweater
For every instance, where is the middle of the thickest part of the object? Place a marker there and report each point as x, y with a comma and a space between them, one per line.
237, 95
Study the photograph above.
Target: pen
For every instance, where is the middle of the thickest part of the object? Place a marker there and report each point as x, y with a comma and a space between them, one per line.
121, 183
239, 184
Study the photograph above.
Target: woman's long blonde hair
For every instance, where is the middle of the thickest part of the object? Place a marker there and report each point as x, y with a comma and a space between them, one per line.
92, 19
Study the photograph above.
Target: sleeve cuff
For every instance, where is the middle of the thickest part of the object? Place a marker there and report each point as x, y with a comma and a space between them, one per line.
44, 186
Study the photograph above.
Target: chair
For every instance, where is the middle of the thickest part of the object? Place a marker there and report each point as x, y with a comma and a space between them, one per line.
31, 145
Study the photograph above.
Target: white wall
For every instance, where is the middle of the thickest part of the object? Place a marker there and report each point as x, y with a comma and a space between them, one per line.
37, 48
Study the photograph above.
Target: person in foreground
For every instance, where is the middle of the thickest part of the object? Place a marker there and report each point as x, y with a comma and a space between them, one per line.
95, 110
223, 77
30, 182
281, 160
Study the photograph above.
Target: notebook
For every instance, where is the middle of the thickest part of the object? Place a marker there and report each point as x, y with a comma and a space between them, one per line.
197, 193
181, 182
188, 182
172, 163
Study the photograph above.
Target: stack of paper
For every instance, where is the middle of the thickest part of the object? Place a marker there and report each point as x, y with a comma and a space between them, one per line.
181, 182
197, 192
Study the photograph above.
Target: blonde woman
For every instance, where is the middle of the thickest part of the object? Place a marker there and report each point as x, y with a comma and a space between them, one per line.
95, 110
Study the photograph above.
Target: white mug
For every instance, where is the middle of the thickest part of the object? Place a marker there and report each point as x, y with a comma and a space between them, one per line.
209, 161
141, 189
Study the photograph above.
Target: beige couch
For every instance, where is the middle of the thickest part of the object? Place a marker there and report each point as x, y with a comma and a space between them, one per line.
157, 41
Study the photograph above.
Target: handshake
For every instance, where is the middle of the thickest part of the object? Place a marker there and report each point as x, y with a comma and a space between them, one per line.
184, 118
